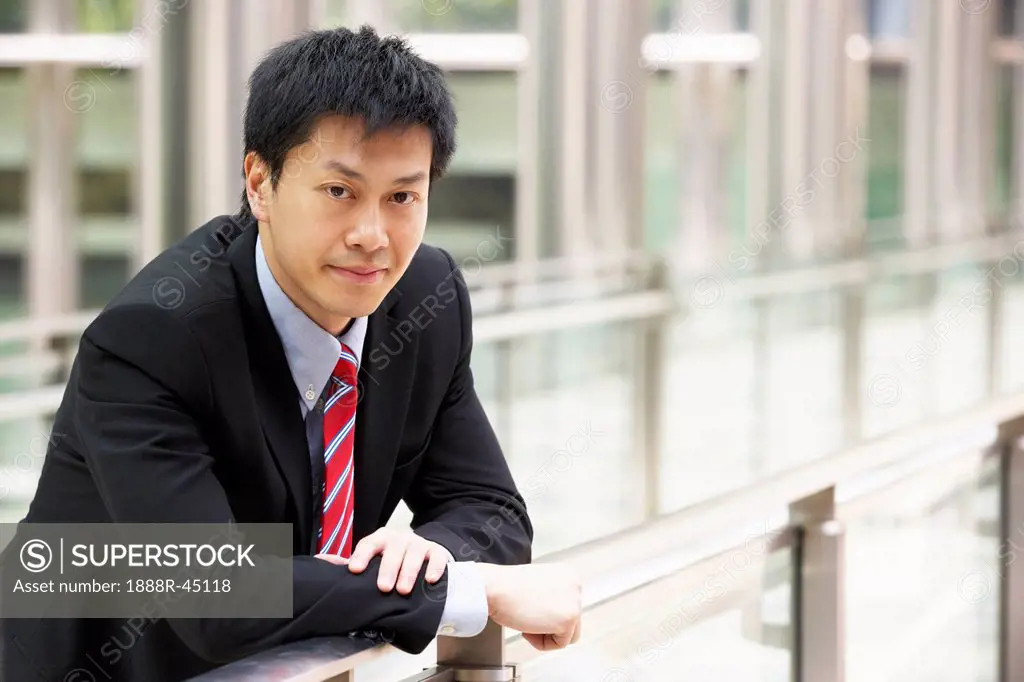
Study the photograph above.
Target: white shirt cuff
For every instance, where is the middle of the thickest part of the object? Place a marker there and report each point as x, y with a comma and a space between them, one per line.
465, 609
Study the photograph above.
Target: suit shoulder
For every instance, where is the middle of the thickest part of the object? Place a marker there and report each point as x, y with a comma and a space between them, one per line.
152, 311
187, 275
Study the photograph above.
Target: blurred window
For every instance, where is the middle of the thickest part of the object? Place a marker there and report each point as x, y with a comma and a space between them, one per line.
456, 16
107, 149
667, 18
888, 18
665, 162
664, 174
885, 156
13, 16
475, 201
13, 188
1008, 18
104, 16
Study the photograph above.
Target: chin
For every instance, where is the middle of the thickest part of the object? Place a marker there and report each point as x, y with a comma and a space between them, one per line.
362, 307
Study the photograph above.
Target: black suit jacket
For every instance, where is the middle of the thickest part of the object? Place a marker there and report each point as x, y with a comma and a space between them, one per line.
181, 408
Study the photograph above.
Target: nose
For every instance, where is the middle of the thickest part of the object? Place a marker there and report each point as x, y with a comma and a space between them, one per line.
369, 233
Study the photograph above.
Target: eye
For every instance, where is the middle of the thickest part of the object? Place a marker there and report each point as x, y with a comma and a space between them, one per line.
403, 198
337, 191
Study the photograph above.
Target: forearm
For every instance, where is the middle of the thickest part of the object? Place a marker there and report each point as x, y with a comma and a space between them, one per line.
328, 600
491, 533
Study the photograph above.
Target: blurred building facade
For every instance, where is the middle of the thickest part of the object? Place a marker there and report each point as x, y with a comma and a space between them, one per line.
587, 126
834, 188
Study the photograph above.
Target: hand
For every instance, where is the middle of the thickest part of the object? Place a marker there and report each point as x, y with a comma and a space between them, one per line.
542, 601
403, 555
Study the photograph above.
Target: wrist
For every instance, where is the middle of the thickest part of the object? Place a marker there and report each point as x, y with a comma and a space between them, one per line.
492, 586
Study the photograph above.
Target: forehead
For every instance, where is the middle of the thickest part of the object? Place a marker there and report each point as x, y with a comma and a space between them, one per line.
345, 140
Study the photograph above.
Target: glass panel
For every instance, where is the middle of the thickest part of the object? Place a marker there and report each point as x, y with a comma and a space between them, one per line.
922, 579
1011, 362
107, 148
578, 472
23, 444
710, 413
13, 190
112, 16
456, 16
472, 209
13, 16
803, 363
733, 625
952, 350
885, 163
895, 311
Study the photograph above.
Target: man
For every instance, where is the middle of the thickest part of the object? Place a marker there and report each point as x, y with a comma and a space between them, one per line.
305, 362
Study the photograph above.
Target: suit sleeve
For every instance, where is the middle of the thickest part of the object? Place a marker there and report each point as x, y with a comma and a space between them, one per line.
141, 382
464, 497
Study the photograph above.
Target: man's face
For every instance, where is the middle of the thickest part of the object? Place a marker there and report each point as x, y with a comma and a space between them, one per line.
346, 218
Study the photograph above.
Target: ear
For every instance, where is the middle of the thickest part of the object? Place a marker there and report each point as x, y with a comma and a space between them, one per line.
257, 186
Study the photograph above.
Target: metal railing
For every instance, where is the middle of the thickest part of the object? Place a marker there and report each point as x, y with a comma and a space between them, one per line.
635, 571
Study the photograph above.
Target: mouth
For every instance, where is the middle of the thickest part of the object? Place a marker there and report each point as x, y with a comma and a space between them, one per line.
359, 274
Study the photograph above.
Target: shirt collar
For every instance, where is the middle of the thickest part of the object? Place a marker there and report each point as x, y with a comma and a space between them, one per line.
312, 351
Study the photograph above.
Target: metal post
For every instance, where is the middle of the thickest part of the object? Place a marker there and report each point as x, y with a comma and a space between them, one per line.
1011, 518
919, 122
347, 676
52, 258
151, 167
477, 659
852, 208
819, 590
648, 398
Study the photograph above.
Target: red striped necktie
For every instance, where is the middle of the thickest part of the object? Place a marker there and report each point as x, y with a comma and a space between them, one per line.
335, 535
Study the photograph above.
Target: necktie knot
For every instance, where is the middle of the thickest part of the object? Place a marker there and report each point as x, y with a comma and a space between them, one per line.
347, 367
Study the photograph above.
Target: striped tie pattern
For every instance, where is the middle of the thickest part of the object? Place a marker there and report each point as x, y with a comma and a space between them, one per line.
335, 536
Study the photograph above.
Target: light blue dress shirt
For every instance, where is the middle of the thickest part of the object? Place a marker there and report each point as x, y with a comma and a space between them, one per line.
312, 354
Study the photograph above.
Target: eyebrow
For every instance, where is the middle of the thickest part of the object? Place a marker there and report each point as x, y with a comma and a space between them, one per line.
338, 166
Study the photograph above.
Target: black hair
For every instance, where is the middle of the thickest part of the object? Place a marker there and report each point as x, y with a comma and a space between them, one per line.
339, 71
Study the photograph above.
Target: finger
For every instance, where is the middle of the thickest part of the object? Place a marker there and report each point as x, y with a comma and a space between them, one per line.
435, 566
390, 563
368, 547
577, 632
332, 558
536, 641
415, 554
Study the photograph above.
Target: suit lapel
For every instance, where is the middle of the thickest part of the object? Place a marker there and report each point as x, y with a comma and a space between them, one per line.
277, 398
386, 373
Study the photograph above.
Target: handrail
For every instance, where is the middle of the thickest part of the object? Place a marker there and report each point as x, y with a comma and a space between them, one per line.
322, 658
638, 555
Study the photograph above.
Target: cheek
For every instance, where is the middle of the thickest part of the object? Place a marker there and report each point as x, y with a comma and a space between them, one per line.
408, 238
